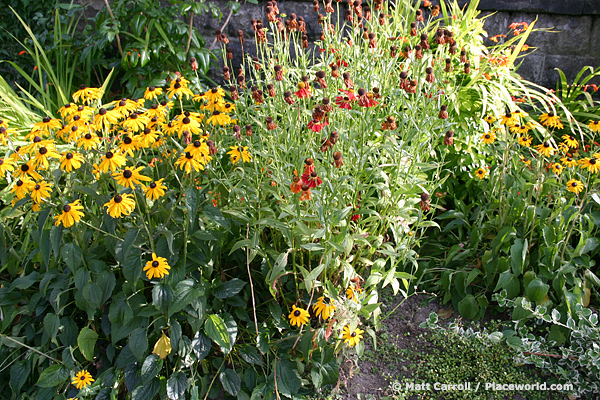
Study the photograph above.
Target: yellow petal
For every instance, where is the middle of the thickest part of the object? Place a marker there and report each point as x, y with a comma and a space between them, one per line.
162, 348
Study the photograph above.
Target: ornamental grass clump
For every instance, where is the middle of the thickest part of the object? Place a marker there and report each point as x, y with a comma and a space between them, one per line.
250, 263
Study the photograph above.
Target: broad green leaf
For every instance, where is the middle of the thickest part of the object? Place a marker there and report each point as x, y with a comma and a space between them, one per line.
176, 386
138, 343
518, 253
162, 295
87, 341
53, 376
288, 380
201, 345
51, 324
468, 307
152, 364
71, 254
146, 390
229, 288
216, 329
537, 290
231, 381
19, 372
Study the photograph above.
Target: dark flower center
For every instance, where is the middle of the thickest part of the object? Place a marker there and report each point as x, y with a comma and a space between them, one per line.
214, 90
186, 120
109, 155
118, 198
487, 136
102, 111
297, 313
37, 187
122, 103
127, 140
152, 88
134, 116
326, 300
1, 161
216, 112
353, 334
593, 161
46, 120
574, 184
76, 118
155, 264
127, 174
43, 150
37, 139
20, 183
24, 167
197, 143
88, 136
177, 86
546, 144
153, 185
67, 208
188, 155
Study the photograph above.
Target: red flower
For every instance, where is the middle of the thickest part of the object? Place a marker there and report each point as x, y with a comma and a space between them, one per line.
346, 101
355, 217
316, 126
303, 91
311, 180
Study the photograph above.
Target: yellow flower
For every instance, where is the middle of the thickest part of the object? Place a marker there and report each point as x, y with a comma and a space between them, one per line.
88, 141
569, 162
592, 164
215, 94
42, 155
162, 348
324, 307
87, 95
199, 149
298, 316
67, 109
570, 141
47, 124
71, 214
130, 177
488, 138
594, 126
104, 119
557, 168
352, 338
128, 145
490, 119
480, 173
112, 161
219, 119
525, 140
509, 119
152, 92
22, 187
575, 186
238, 153
171, 128
188, 162
120, 205
70, 161
146, 138
155, 190
41, 192
526, 160
35, 145
27, 169
6, 165
5, 133
225, 107
545, 149
135, 122
157, 267
520, 129
82, 378
179, 88
551, 120
125, 106
351, 293
190, 125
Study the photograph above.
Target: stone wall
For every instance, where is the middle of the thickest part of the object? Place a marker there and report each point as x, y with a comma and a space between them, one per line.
573, 44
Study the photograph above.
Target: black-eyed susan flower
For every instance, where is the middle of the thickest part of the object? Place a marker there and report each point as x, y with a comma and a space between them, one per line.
551, 120
490, 119
199, 149
179, 88
71, 213
128, 145
41, 191
187, 161
22, 187
36, 143
526, 161
509, 119
226, 107
170, 128
105, 119
112, 161
592, 164
238, 153
575, 186
67, 110
488, 137
157, 267
520, 129
570, 141
83, 113
594, 126
351, 293
120, 205
88, 141
130, 177
298, 316
82, 379
43, 154
87, 95
136, 122
125, 106
70, 161
155, 190
352, 338
324, 307
6, 165
557, 168
480, 173
569, 162
162, 348
525, 140
146, 138
27, 169
218, 118
5, 133
215, 94
47, 124
152, 92
546, 149
188, 124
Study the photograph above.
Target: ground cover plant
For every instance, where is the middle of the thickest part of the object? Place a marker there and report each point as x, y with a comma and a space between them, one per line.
192, 242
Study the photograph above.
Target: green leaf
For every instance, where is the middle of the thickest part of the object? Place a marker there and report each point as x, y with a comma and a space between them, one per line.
215, 215
191, 201
146, 390
138, 343
216, 329
313, 247
51, 324
537, 290
123, 248
231, 381
162, 295
93, 295
152, 364
19, 372
176, 386
53, 376
24, 282
229, 288
87, 341
201, 345
185, 292
71, 254
251, 355
468, 307
288, 380
132, 267
518, 252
